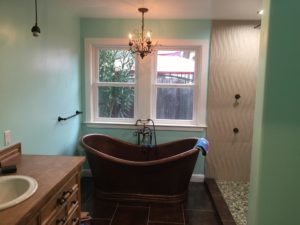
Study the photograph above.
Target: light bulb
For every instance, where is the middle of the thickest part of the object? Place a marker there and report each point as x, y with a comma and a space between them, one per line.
36, 31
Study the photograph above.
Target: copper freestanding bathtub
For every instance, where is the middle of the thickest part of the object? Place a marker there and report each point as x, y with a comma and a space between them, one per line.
124, 171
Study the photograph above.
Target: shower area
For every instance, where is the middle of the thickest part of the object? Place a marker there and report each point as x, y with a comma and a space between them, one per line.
230, 110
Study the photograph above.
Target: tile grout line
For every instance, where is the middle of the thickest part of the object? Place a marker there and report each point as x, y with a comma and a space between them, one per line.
165, 222
201, 210
133, 206
148, 215
112, 218
182, 210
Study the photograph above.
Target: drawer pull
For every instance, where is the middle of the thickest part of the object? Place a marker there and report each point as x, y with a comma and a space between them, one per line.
73, 206
75, 221
61, 221
75, 202
66, 195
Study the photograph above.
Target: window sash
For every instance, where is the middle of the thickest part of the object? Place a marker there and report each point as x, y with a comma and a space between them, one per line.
98, 118
97, 64
174, 121
96, 103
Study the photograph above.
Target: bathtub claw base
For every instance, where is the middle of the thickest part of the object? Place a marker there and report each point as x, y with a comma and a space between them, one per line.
147, 198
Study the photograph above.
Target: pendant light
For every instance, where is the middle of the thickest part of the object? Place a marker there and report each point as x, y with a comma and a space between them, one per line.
36, 31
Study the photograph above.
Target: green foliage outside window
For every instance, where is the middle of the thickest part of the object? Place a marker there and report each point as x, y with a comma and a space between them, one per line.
116, 66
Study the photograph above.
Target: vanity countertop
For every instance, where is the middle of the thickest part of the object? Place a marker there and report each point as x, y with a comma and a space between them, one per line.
50, 173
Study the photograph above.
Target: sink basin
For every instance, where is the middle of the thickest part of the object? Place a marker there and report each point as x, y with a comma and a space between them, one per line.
15, 189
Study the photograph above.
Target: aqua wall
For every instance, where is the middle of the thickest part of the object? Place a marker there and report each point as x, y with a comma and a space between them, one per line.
119, 28
169, 29
39, 77
275, 183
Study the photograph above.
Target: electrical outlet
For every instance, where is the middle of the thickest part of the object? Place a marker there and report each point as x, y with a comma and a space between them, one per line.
7, 137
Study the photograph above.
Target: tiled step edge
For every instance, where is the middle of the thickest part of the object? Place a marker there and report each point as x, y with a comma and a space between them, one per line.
218, 200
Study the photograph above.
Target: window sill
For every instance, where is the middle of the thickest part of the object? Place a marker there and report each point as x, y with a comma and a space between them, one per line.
157, 126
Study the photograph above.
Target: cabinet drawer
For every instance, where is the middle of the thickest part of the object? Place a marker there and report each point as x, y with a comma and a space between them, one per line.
73, 209
59, 200
60, 219
75, 218
73, 203
74, 221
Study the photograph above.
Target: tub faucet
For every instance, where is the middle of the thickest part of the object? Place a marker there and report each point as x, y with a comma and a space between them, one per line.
144, 134
137, 122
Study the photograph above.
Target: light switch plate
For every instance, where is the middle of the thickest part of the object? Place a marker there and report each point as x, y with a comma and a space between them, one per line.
7, 137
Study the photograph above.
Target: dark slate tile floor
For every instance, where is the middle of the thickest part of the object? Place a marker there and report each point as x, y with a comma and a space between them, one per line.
197, 210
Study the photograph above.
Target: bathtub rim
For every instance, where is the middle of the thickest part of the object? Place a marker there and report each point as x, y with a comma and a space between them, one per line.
137, 163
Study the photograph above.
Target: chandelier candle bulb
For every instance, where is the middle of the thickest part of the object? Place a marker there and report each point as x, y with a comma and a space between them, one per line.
130, 39
148, 36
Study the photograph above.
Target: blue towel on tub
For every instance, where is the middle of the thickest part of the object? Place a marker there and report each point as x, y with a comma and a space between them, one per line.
202, 144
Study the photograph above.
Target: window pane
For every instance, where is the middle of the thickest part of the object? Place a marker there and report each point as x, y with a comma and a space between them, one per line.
174, 103
116, 66
175, 67
116, 102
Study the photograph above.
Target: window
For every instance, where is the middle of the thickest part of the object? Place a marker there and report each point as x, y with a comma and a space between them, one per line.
115, 81
175, 86
168, 86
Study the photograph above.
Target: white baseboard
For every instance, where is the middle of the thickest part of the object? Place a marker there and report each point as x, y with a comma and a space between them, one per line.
86, 173
194, 178
197, 178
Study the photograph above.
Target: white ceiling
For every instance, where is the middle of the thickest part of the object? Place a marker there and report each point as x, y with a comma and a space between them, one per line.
168, 9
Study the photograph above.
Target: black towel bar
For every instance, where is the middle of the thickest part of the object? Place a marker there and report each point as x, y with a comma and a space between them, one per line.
69, 117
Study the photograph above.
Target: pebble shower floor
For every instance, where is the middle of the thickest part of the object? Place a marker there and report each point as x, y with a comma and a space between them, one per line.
236, 197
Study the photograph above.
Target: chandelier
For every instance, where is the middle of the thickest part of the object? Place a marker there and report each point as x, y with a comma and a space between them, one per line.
138, 42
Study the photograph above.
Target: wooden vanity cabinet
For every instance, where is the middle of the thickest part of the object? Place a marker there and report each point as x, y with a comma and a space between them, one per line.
57, 198
64, 207
34, 221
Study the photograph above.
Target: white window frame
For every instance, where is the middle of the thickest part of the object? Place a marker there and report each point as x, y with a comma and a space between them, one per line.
146, 86
92, 83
